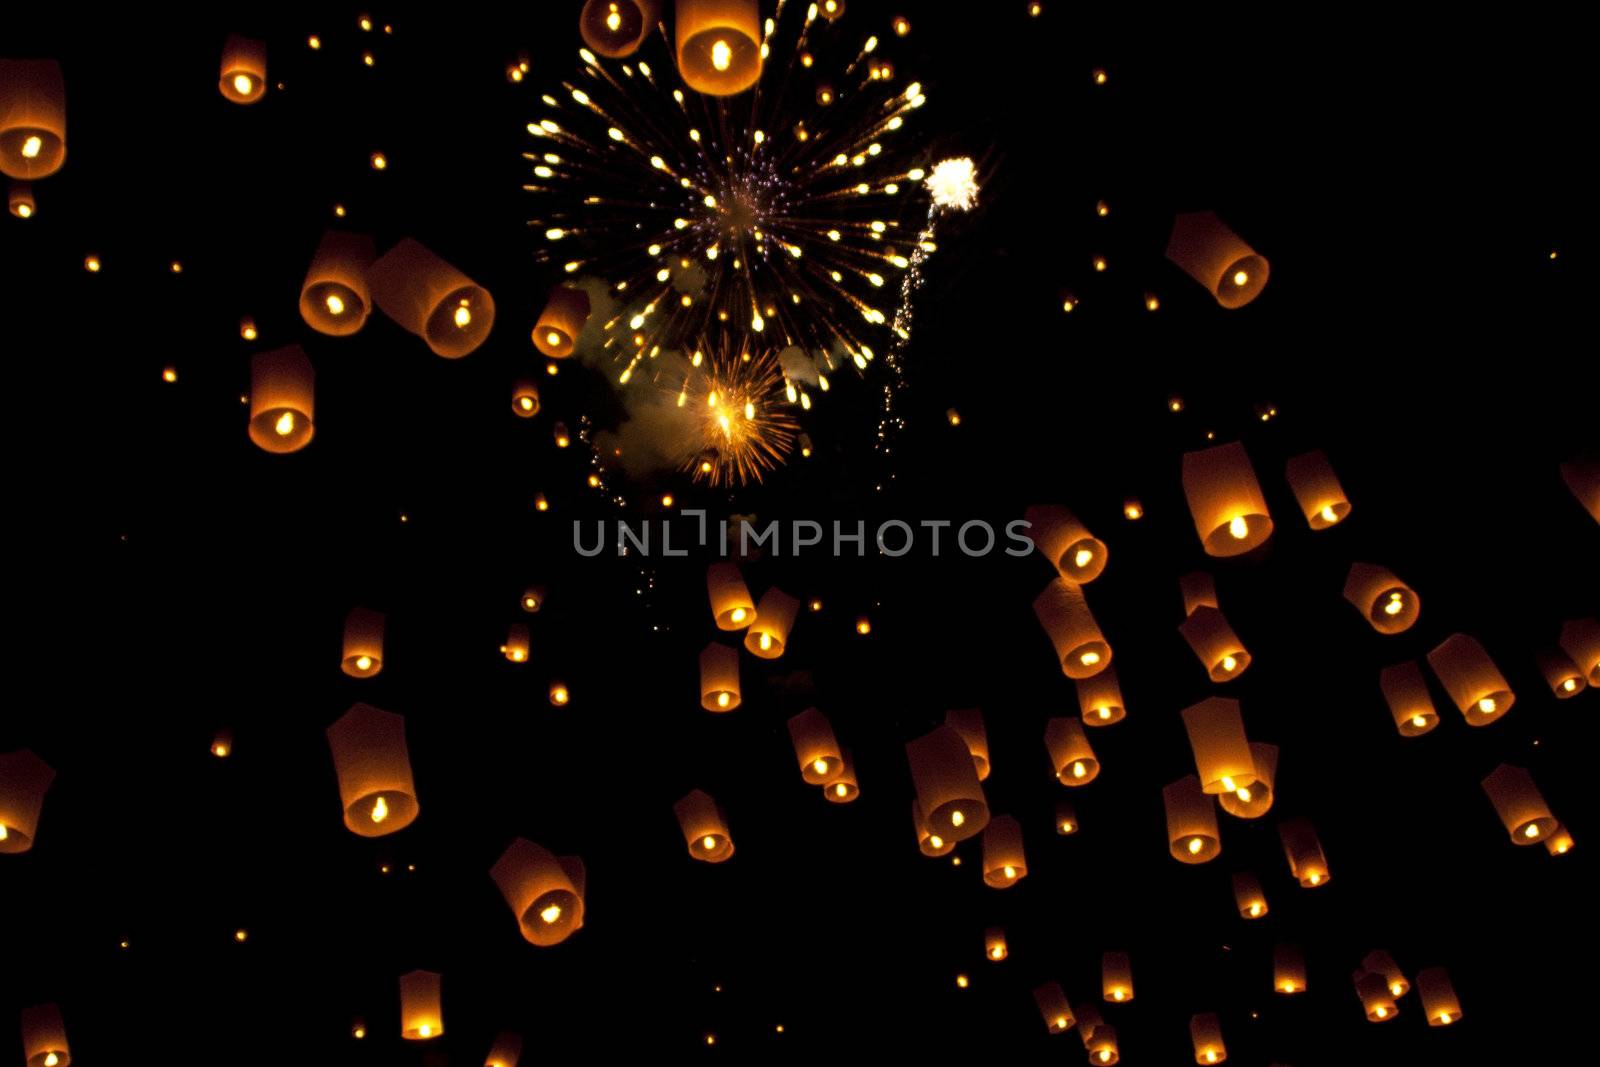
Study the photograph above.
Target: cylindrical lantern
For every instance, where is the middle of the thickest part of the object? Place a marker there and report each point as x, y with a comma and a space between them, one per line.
1100, 699
1102, 1046
244, 69
545, 891
1053, 1006
33, 118
561, 321
968, 722
1386, 602
768, 635
719, 677
1066, 542
719, 45
1561, 674
1519, 804
363, 643
1066, 818
505, 1052
930, 843
1199, 590
1071, 757
428, 297
1206, 250
616, 28
1222, 754
1116, 977
24, 777
1304, 850
1089, 1020
994, 944
1215, 645
1003, 862
1479, 690
1192, 835
1580, 639
815, 747
374, 770
532, 599
1229, 510
1288, 969
1439, 1001
517, 646
222, 743
1205, 1030
1318, 491
525, 399
731, 605
334, 298
20, 202
1560, 842
282, 385
1248, 895
421, 1010
1406, 692
1376, 1000
844, 788
1255, 799
948, 790
44, 1037
1380, 962
705, 829
1064, 614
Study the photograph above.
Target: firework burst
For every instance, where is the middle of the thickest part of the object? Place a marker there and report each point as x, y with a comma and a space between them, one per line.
744, 422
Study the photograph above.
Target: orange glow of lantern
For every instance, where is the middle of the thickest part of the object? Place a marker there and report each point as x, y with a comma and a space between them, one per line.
1066, 818
426, 296
244, 69
719, 45
994, 944
506, 1050
1479, 690
1208, 251
1003, 862
1100, 699
20, 202
1255, 799
948, 791
616, 28
282, 399
421, 1009
815, 747
705, 828
1561, 674
222, 744
719, 677
1192, 835
1304, 851
930, 843
544, 891
1071, 757
532, 599
1248, 896
1406, 693
1317, 490
1581, 473
1053, 1007
1222, 754
1205, 1031
525, 399
1439, 1001
333, 298
44, 1037
768, 635
844, 788
1388, 604
1089, 1020
1215, 645
968, 722
1229, 510
24, 778
1560, 842
1288, 969
1079, 644
1102, 1045
516, 648
1380, 962
1066, 542
374, 770
731, 605
247, 328
33, 118
363, 643
560, 695
565, 312
1519, 804
1580, 639
1376, 1000
1116, 977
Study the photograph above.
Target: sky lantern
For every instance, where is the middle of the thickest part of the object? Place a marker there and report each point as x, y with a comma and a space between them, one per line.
1563, 676
565, 312
1479, 690
362, 655
1077, 555
731, 605
705, 828
1102, 1046
1003, 862
1288, 969
374, 770
1406, 692
421, 1009
948, 791
1317, 490
1100, 699
1560, 842
1215, 645
1225, 500
1079, 644
1389, 605
1053, 1007
532, 599
968, 722
1255, 800
516, 647
1439, 1001
1248, 895
222, 743
44, 1037
1582, 475
994, 944
845, 788
506, 1050
719, 45
282, 385
1116, 977
1304, 850
1089, 1020
1580, 639
1206, 250
334, 298
768, 635
1192, 835
24, 778
525, 399
719, 677
426, 296
616, 28
244, 69
930, 843
1376, 999
1071, 757
815, 747
33, 118
20, 202
1380, 962
1205, 1031
1199, 590
1520, 805
544, 891
1066, 818
1222, 754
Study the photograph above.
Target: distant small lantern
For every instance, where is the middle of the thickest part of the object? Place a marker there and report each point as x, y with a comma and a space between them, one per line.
1102, 1046
719, 45
560, 695
930, 843
1317, 490
421, 1009
1205, 1032
565, 312
845, 788
1003, 862
1439, 1001
545, 891
1054, 1008
968, 722
1519, 804
222, 744
1192, 835
1406, 693
815, 747
1222, 754
374, 770
705, 828
719, 677
1248, 896
1560, 842
1376, 1000
1288, 969
20, 202
1580, 639
994, 944
1100, 699
616, 28
1225, 500
363, 643
333, 298
33, 118
1255, 800
1208, 251
505, 1052
1562, 675
1215, 645
1080, 646
1116, 977
1388, 604
1304, 850
532, 599
731, 605
44, 1037
768, 635
1066, 542
1380, 962
525, 399
516, 647
1066, 818
1479, 690
426, 296
24, 778
1071, 758
244, 69
948, 791
1132, 510
282, 403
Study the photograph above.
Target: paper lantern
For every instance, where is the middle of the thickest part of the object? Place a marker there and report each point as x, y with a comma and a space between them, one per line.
1248, 895
222, 744
426, 296
1102, 1046
1089, 1020
968, 722
1560, 842
1304, 850
1206, 250
374, 770
731, 605
1215, 645
948, 791
994, 944
334, 298
545, 891
1053, 1007
719, 677
1288, 969
830, 9
1222, 754
1519, 804
1100, 699
1581, 473
516, 647
1071, 757
1381, 963
421, 1011
1439, 1001
1388, 604
363, 643
1479, 690
532, 599
525, 399
705, 829
1406, 692
930, 843
1199, 590
44, 1037
844, 788
1003, 862
282, 385
1255, 799
1192, 835
1205, 1031
1229, 510
244, 69
1066, 542
1064, 614
616, 28
1376, 1000
20, 200
1561, 674
719, 45
1116, 977
1317, 490
815, 747
505, 1052
1580, 639
559, 693
562, 319
24, 777
768, 635
33, 118
1066, 818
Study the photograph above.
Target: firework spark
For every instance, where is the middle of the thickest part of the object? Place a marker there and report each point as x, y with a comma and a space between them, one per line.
744, 423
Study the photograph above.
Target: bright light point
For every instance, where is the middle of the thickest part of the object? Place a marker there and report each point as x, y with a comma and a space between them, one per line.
463, 317
1089, 659
936, 841
1244, 794
1240, 277
1009, 872
242, 84
1195, 845
1532, 830
1082, 557
1229, 663
363, 663
1255, 911
708, 842
1382, 1013
553, 339
1078, 769
1419, 720
721, 55
285, 424
1315, 879
954, 183
1328, 514
961, 981
551, 913
1395, 605
1105, 713
957, 818
738, 615
335, 304
31, 147
1239, 528
51, 1059
841, 790
380, 810
765, 642
1486, 705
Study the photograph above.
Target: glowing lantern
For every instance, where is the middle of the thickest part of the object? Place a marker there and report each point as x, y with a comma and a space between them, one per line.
845, 788
1064, 614
616, 28
20, 200
1053, 1006
1213, 255
1304, 850
1288, 969
1192, 835
769, 633
1066, 542
1003, 861
1199, 591
559, 693
1066, 818
1470, 677
705, 828
1389, 604
1229, 510
968, 722
516, 647
545, 891
1439, 1001
33, 118
363, 643
930, 843
24, 778
994, 944
1205, 1030
1560, 842
1519, 804
1406, 692
525, 399
1254, 800
1222, 754
1100, 699
561, 321
532, 599
1248, 895
1381, 963
830, 9
1318, 491
1376, 1000
1070, 755
948, 791
282, 385
719, 45
244, 69
1089, 1020
1561, 674
333, 297
222, 744
1582, 475
1580, 639
1217, 647
719, 677
815, 747
44, 1037
421, 1012
1116, 977
505, 1052
730, 599
426, 296
374, 770
1102, 1045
